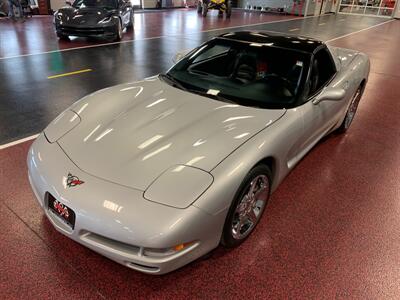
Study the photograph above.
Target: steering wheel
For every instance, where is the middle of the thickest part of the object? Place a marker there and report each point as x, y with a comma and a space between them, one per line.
282, 80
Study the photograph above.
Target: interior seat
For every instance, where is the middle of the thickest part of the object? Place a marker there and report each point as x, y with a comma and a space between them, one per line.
246, 68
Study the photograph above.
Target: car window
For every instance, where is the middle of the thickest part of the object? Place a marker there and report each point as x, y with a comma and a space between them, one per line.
95, 3
211, 52
246, 73
322, 70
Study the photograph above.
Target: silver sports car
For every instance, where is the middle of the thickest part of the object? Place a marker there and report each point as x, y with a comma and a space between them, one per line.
156, 173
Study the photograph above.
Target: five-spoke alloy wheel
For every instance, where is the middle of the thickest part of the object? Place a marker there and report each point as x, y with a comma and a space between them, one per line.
351, 111
248, 206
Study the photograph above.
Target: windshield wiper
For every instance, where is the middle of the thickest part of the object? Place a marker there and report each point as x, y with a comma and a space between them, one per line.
174, 82
213, 96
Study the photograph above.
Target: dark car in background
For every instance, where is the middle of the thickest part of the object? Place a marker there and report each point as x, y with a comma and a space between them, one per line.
94, 18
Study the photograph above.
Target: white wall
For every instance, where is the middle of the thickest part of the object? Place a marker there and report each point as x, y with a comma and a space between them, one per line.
286, 4
397, 13
56, 4
175, 3
149, 3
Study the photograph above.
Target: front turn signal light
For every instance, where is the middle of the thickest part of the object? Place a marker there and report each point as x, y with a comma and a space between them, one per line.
182, 246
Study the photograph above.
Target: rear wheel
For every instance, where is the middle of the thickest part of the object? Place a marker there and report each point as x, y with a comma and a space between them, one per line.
247, 207
351, 111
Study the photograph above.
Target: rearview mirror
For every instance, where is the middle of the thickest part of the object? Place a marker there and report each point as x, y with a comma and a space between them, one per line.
330, 94
178, 56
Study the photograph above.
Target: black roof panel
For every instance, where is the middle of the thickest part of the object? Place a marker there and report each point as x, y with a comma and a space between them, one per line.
299, 43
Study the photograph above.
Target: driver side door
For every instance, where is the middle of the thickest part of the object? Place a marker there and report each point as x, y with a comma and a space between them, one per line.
319, 118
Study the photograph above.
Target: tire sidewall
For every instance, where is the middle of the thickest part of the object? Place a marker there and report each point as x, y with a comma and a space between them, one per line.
118, 33
63, 37
227, 240
343, 127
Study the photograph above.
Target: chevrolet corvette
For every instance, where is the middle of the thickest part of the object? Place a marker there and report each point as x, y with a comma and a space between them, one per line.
155, 174
94, 18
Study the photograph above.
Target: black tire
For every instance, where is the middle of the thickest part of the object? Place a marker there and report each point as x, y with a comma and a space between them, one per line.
204, 9
63, 37
228, 11
351, 111
260, 172
118, 32
131, 20
199, 7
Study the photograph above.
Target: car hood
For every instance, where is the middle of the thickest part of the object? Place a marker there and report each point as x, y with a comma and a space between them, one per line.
87, 16
129, 134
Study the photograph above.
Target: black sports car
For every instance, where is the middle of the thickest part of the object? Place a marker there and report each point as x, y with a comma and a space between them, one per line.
94, 18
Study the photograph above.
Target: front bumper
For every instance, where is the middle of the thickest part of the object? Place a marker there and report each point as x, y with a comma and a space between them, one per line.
116, 221
86, 31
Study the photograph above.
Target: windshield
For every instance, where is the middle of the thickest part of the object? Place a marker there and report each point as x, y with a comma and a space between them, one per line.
246, 73
95, 3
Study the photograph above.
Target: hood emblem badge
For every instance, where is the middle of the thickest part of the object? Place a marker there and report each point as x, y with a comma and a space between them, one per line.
73, 181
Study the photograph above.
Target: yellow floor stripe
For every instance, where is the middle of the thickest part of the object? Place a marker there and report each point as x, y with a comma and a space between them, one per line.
69, 74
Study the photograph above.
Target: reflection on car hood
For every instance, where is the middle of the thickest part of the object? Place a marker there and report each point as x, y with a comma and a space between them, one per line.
87, 16
130, 134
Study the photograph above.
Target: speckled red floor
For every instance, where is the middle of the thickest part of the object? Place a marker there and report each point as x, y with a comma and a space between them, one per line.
331, 230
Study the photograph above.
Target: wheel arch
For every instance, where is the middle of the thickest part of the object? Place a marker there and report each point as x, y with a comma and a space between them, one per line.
363, 83
271, 163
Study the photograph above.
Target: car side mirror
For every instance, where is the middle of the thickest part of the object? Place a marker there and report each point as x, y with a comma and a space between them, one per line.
69, 3
330, 94
178, 56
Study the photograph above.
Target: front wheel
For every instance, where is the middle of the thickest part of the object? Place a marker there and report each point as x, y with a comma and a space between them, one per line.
247, 207
351, 111
118, 32
63, 37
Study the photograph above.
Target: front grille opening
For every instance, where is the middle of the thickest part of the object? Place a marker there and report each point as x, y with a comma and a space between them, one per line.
80, 30
102, 242
144, 268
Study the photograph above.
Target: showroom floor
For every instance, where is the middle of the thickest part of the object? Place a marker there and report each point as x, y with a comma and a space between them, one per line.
331, 230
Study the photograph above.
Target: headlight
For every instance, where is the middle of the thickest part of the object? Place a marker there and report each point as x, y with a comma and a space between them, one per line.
105, 20
179, 186
61, 125
58, 15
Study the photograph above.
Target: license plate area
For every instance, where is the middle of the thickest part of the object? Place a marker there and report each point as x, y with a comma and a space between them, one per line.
63, 212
